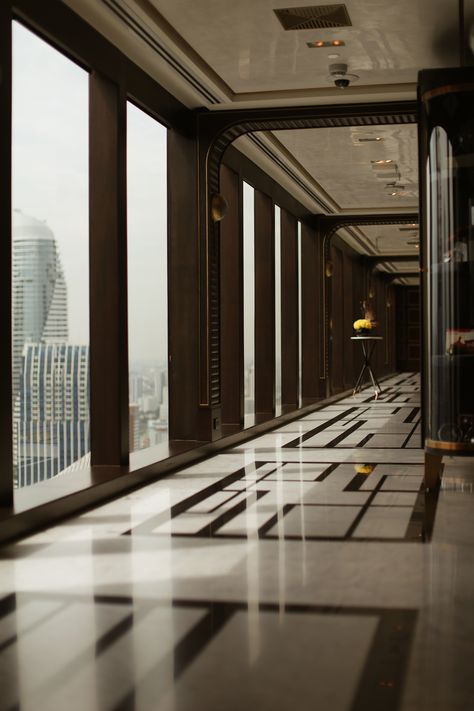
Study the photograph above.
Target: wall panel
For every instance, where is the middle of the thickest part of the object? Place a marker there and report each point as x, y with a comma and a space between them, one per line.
264, 308
232, 358
289, 311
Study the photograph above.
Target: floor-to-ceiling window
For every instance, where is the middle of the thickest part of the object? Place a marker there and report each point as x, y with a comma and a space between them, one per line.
50, 261
249, 302
147, 279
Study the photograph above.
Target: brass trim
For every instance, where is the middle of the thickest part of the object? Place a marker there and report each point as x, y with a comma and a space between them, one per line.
450, 446
447, 89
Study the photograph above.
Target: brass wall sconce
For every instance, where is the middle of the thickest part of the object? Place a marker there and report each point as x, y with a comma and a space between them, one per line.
329, 270
219, 206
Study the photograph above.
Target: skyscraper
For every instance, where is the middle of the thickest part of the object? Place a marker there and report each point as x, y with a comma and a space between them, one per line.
50, 377
52, 429
39, 292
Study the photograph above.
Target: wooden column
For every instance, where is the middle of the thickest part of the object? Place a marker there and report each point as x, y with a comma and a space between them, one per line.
289, 312
183, 312
336, 323
350, 313
108, 269
6, 425
311, 325
232, 343
358, 296
264, 308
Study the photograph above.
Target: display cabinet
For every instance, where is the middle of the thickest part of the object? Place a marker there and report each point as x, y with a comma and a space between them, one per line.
447, 177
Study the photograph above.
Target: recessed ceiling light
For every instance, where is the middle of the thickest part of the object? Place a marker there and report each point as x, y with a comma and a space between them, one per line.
393, 193
317, 44
333, 56
383, 161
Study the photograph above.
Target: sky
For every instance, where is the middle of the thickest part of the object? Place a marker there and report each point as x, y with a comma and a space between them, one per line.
50, 182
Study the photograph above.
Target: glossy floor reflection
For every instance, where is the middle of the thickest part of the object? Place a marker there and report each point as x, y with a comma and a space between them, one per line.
300, 570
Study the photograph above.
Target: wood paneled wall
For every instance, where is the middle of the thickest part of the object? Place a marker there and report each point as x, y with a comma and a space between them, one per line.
289, 311
264, 307
232, 340
313, 387
408, 330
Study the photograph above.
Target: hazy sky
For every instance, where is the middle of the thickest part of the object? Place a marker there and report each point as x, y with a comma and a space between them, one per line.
50, 182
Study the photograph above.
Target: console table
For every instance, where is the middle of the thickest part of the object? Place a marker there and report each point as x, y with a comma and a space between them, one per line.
368, 344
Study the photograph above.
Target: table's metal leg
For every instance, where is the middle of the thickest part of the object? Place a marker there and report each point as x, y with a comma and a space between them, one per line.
367, 352
372, 377
359, 380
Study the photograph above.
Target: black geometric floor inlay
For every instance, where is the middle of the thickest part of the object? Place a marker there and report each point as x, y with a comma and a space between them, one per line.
390, 635
310, 501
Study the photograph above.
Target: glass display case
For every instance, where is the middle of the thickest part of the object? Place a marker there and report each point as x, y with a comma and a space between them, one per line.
447, 176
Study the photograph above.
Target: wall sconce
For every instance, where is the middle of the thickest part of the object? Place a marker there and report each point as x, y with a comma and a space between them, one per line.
219, 207
329, 270
371, 293
389, 304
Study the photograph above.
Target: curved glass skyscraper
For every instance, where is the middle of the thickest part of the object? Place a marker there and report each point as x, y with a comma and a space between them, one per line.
39, 290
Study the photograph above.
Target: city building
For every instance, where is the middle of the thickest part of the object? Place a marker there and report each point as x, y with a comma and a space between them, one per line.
50, 377
51, 419
39, 293
270, 206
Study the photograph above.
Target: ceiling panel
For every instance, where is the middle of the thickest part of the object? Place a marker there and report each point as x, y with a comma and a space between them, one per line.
357, 170
245, 44
392, 239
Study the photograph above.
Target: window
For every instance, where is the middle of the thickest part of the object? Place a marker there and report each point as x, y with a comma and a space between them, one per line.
50, 264
147, 279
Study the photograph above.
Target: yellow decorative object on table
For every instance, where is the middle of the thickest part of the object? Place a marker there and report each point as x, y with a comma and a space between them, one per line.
362, 325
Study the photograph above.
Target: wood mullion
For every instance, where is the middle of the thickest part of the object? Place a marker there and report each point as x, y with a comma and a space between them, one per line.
289, 312
232, 339
108, 269
264, 308
311, 287
6, 424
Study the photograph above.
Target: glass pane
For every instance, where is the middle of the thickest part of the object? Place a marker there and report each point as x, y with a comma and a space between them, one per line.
147, 279
249, 305
451, 256
51, 416
277, 310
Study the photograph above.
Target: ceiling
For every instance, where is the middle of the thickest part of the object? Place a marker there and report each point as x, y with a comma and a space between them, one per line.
223, 54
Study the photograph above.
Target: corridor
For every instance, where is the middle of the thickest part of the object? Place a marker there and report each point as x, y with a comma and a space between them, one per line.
304, 569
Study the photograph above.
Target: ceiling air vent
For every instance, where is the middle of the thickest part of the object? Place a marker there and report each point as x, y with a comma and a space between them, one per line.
313, 17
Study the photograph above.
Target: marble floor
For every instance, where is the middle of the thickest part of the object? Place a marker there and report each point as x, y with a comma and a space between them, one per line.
304, 569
